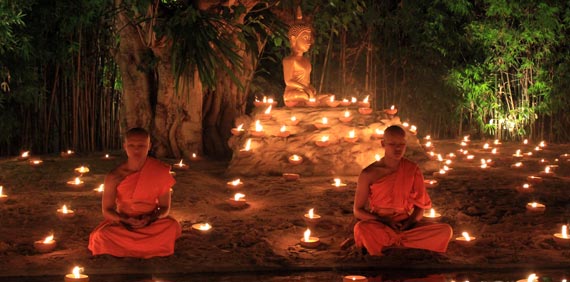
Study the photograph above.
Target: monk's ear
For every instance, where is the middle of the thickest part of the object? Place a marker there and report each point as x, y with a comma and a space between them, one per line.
382, 142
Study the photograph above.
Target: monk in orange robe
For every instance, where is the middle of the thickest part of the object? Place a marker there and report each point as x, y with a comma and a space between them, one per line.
390, 201
136, 203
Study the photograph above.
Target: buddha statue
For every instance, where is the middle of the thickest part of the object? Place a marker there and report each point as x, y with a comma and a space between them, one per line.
296, 67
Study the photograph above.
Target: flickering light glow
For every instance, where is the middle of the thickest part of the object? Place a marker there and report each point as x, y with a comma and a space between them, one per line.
48, 239
238, 196
466, 236
258, 126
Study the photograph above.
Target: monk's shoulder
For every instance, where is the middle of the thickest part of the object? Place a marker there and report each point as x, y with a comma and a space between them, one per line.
160, 163
409, 164
374, 171
118, 173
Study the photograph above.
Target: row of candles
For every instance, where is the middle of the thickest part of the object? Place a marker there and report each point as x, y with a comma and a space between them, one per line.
534, 207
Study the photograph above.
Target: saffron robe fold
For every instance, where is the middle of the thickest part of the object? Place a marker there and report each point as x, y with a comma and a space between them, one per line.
395, 195
138, 194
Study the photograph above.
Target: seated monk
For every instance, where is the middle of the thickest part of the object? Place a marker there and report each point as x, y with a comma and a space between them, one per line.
136, 203
393, 188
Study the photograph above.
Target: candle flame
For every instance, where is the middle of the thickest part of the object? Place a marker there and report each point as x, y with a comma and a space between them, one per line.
69, 152
470, 157
248, 145
494, 151
392, 107
353, 100
526, 186
270, 101
518, 164
268, 110
379, 131
204, 226
283, 128
48, 239
295, 157
346, 114
101, 188
293, 118
258, 126
439, 158
337, 182
325, 120
332, 98
1, 190
307, 235
377, 157
525, 141
64, 209
486, 146
236, 182
431, 213
194, 155
311, 213
351, 134
77, 272
448, 162
345, 100
565, 231
466, 236
25, 154
542, 144
405, 124
240, 127
264, 99
180, 164
427, 137
463, 143
533, 204
428, 144
442, 171
413, 128
532, 278
366, 99
466, 138
77, 181
325, 138
106, 155
497, 142
238, 196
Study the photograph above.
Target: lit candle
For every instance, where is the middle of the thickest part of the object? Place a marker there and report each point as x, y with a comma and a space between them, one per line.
378, 133
291, 176
518, 154
543, 161
323, 124
345, 102
238, 201
309, 242
353, 100
82, 169
293, 121
534, 179
440, 173
3, 198
525, 188
546, 172
531, 278
247, 148
428, 137
528, 153
405, 124
535, 207
432, 216
295, 159
77, 182
283, 132
542, 144
25, 155
100, 189
311, 217
203, 228
562, 237
428, 146
46, 245
413, 129
486, 146
463, 144
258, 132
312, 102
465, 239
430, 183
565, 156
234, 184
36, 162
484, 164
346, 117
67, 153
391, 111
497, 142
494, 151
338, 183
525, 142
76, 276
351, 137
331, 102
365, 103
64, 212
466, 138
377, 157
517, 165
180, 165
267, 114
323, 142
237, 131
353, 278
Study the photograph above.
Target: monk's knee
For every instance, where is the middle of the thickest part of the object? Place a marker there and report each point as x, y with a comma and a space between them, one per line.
446, 230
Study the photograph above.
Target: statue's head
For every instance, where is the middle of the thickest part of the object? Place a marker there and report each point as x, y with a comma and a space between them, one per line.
300, 36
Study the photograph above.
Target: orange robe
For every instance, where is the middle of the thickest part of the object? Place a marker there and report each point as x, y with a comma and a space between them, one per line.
138, 194
395, 195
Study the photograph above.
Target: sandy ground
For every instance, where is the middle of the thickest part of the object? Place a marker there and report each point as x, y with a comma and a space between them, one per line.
265, 235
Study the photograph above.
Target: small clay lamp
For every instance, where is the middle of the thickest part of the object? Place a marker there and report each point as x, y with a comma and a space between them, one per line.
391, 111
238, 201
351, 137
65, 213
525, 188
365, 111
246, 151
431, 183
267, 114
442, 173
323, 142
67, 154
237, 131
346, 117
323, 124
258, 132
312, 102
107, 157
202, 228
547, 172
338, 183
354, 278
432, 216
100, 189
413, 130
81, 170
309, 242
24, 156
311, 218
534, 179
76, 276
234, 184
535, 207
291, 176
3, 197
180, 166
345, 102
295, 159
291, 103
35, 162
465, 239
331, 102
77, 182
531, 278
562, 238
46, 245
283, 132
364, 103
378, 133
517, 165
293, 121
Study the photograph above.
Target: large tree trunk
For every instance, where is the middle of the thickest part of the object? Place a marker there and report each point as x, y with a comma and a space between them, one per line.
136, 76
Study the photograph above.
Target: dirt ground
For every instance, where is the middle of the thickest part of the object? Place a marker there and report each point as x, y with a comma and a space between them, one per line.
265, 235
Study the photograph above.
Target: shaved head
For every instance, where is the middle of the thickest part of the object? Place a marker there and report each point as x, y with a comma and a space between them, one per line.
137, 131
395, 130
